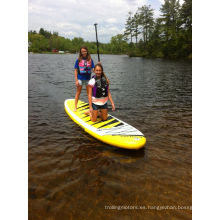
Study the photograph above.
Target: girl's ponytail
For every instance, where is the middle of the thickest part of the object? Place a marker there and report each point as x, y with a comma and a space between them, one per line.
105, 77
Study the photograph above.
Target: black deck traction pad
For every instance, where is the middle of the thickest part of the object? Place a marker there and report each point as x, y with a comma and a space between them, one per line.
111, 122
109, 117
87, 108
83, 106
84, 116
120, 124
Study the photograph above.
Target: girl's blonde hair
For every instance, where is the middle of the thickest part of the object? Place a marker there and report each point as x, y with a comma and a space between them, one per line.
88, 57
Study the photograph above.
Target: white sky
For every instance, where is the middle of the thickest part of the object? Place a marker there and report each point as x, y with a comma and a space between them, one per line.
75, 18
162, 1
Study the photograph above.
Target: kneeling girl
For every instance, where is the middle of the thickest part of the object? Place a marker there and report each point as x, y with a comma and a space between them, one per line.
99, 94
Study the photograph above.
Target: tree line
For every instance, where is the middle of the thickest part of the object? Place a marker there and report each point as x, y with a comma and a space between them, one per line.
168, 36
45, 41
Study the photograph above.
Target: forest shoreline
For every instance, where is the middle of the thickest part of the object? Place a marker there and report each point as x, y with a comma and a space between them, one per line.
189, 58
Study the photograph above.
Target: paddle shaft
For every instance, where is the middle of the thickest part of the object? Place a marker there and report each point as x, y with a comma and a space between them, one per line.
97, 42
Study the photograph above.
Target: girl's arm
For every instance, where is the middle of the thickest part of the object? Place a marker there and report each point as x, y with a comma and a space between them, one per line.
76, 77
111, 100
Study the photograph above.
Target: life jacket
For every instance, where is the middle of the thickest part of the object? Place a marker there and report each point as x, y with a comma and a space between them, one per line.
100, 88
85, 67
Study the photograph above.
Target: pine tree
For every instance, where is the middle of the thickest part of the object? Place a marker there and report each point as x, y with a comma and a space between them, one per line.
128, 33
135, 26
170, 24
186, 28
146, 21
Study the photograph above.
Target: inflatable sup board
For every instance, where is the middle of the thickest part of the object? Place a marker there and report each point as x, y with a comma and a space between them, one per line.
112, 131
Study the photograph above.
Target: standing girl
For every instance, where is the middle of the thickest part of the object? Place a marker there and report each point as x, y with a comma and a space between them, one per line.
99, 94
84, 66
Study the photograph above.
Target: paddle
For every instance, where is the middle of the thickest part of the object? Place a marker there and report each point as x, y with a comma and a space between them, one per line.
97, 42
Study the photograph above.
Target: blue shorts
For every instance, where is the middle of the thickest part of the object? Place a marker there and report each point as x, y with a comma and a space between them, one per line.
97, 107
83, 82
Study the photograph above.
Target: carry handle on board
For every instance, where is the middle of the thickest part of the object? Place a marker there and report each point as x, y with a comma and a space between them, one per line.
97, 42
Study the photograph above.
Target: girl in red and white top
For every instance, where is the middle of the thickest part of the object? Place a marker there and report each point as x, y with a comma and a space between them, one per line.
99, 94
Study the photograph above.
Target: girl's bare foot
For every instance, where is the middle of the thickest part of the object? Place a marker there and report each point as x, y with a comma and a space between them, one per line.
74, 109
86, 113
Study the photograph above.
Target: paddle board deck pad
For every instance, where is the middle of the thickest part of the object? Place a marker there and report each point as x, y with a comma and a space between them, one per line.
112, 131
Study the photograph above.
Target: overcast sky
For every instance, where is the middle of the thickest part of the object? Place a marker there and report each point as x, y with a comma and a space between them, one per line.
76, 18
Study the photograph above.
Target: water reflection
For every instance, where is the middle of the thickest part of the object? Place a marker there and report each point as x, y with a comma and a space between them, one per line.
74, 176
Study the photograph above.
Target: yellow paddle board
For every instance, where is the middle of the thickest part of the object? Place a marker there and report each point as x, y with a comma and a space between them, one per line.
112, 131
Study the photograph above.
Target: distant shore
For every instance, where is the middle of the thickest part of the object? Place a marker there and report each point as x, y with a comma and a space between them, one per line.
143, 55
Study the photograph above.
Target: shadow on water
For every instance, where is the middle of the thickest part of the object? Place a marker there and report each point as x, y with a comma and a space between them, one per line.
93, 146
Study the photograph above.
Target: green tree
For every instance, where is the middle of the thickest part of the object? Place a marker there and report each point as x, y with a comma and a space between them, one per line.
135, 26
55, 33
146, 22
128, 33
38, 42
185, 36
77, 43
45, 33
118, 44
170, 24
155, 45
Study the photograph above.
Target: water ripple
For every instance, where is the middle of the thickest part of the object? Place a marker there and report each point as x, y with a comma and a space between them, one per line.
74, 176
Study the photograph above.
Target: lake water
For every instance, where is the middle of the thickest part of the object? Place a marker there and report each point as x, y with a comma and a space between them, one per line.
74, 176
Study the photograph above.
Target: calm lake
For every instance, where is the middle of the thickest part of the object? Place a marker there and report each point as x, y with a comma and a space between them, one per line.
74, 176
